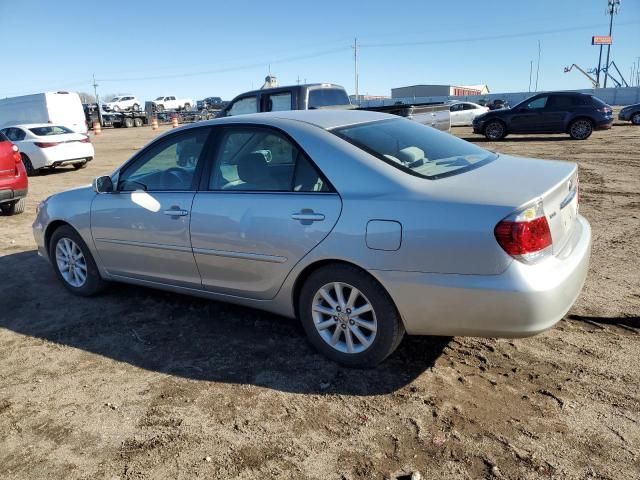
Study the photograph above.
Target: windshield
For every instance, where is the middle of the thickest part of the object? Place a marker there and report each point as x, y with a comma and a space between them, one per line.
416, 148
115, 99
51, 130
160, 98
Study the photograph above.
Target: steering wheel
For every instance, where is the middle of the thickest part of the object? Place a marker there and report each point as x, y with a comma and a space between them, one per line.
176, 178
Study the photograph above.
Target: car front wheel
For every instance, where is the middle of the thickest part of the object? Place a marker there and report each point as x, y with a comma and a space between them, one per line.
73, 263
580, 129
349, 317
495, 130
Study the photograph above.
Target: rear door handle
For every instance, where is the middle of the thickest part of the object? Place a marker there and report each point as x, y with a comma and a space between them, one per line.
176, 212
306, 216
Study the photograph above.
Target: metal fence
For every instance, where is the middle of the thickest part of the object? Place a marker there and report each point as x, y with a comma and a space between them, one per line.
612, 96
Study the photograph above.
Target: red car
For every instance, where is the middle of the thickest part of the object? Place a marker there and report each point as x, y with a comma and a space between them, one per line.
13, 178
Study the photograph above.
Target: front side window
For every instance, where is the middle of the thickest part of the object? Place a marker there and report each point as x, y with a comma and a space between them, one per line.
416, 148
168, 165
468, 106
278, 102
559, 102
243, 106
258, 159
537, 103
456, 107
14, 134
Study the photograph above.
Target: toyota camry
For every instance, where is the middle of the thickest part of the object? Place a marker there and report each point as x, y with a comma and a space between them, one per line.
363, 225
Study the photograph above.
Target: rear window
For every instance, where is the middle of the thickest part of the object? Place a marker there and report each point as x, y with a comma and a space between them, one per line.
327, 97
415, 148
52, 130
3, 138
597, 102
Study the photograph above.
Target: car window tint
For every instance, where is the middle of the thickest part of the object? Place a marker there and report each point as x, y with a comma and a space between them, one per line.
537, 103
325, 97
169, 164
243, 106
558, 102
254, 159
468, 106
278, 102
455, 107
16, 134
3, 138
52, 130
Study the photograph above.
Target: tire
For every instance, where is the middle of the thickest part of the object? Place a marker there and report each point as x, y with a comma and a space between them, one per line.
28, 166
635, 118
580, 129
136, 107
495, 130
159, 108
137, 122
128, 122
80, 165
187, 106
116, 108
63, 241
383, 316
14, 208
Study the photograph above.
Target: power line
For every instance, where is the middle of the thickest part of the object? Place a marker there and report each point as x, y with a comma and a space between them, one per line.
488, 37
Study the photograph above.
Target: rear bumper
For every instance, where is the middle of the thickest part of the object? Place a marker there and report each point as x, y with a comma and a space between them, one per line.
522, 301
604, 124
8, 195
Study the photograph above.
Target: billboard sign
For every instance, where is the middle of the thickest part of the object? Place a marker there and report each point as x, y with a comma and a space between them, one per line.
601, 40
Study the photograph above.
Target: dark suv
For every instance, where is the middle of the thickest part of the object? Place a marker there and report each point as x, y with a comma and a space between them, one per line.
563, 112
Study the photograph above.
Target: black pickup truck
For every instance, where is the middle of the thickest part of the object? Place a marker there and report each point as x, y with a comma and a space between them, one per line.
327, 95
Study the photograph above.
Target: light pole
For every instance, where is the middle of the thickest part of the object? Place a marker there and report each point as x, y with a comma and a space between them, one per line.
612, 8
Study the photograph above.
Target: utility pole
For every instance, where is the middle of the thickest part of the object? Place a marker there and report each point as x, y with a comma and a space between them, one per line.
538, 69
599, 67
612, 8
530, 73
95, 94
355, 63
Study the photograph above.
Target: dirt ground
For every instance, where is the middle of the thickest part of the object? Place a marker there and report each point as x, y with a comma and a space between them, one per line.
140, 384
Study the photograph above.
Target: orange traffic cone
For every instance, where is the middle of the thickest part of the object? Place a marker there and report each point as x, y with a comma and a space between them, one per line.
174, 121
97, 128
154, 123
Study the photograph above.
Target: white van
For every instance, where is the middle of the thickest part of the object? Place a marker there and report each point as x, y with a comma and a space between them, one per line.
59, 108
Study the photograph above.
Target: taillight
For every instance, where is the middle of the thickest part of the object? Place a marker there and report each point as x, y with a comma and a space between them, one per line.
525, 235
85, 140
46, 144
605, 110
16, 154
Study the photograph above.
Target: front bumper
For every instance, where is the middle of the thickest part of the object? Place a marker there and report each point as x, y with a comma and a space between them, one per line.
522, 301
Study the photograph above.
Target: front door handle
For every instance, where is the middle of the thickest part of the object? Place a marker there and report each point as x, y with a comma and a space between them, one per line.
176, 211
306, 216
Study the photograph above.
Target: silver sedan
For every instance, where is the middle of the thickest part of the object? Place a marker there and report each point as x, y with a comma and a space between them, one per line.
362, 225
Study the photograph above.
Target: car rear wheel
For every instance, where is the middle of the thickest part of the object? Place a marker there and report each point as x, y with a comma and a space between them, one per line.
13, 208
137, 122
635, 119
116, 108
495, 130
349, 317
136, 107
128, 122
187, 106
73, 263
28, 166
580, 129
159, 108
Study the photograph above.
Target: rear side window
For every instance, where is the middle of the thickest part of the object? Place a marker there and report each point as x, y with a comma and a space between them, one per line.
2, 137
558, 102
597, 102
278, 102
326, 97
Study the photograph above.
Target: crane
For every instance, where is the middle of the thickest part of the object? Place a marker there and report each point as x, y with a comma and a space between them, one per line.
593, 80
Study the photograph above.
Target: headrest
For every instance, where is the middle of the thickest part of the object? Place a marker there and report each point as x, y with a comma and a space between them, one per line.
411, 154
253, 168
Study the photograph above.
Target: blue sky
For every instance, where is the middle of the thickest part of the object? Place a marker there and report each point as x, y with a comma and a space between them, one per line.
207, 48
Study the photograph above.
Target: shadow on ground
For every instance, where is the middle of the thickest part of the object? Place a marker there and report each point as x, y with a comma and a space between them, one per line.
508, 139
631, 321
190, 337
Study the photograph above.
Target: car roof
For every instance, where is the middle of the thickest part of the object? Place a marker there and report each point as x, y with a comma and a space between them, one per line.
27, 126
323, 118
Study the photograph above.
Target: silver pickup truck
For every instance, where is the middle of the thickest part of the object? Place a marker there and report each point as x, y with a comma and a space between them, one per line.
328, 95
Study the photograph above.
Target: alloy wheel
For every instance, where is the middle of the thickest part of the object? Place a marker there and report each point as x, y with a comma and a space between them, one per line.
495, 131
580, 129
71, 262
636, 119
344, 318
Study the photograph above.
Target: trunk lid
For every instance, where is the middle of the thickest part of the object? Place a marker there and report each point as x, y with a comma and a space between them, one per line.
514, 182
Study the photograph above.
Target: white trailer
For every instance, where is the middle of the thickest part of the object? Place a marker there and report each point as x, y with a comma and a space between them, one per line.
59, 108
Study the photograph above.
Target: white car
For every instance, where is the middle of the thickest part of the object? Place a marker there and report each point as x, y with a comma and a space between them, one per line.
122, 103
463, 113
172, 103
43, 145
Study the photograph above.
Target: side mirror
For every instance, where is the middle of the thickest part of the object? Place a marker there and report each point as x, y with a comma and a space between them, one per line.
103, 184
